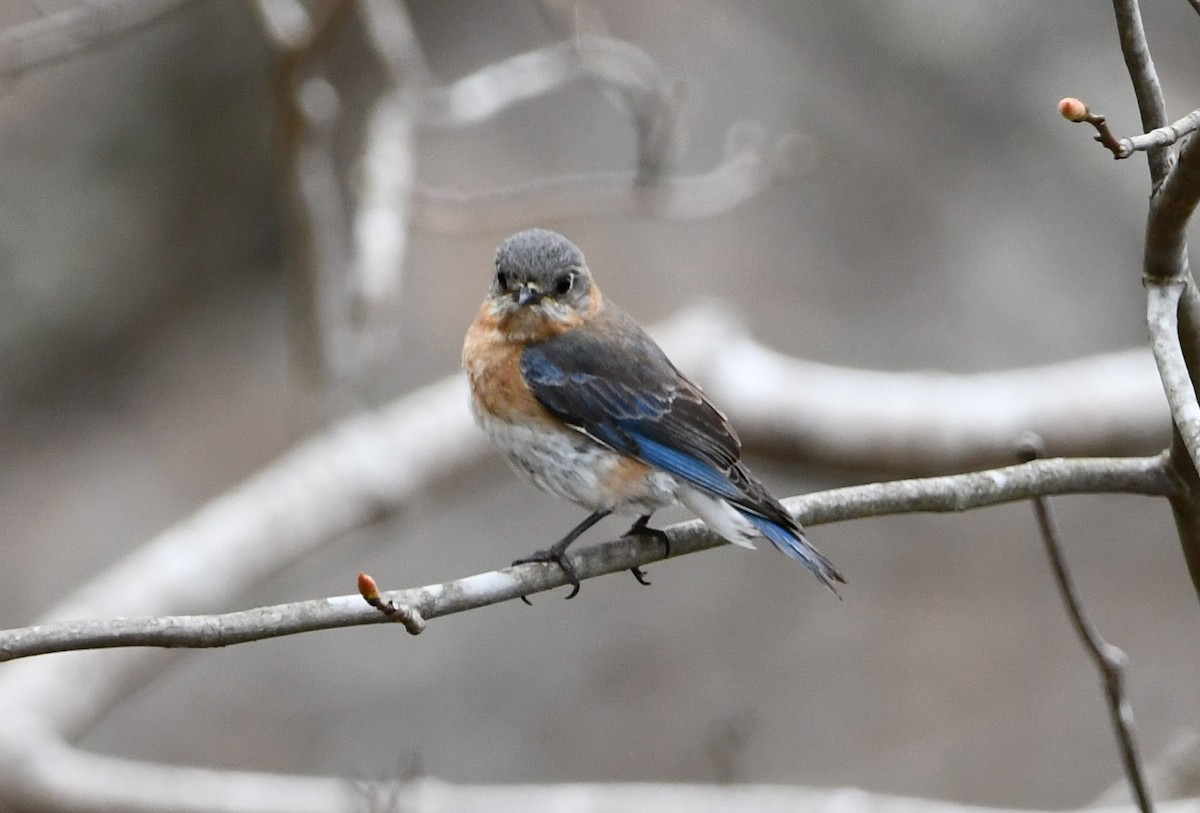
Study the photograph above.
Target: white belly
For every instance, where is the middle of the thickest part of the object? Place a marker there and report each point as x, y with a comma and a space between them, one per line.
575, 467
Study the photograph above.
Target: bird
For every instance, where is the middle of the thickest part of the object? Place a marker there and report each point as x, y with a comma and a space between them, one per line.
580, 400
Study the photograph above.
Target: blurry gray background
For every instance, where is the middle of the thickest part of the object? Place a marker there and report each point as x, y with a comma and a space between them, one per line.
947, 218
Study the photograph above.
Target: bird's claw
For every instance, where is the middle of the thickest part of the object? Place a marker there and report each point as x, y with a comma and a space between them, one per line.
557, 557
641, 529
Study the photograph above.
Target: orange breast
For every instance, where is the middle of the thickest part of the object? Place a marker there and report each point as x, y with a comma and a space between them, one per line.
493, 365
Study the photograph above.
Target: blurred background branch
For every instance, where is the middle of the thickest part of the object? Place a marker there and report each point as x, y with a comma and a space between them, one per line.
78, 26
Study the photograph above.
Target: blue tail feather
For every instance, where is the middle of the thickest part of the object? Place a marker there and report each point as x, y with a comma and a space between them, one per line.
792, 542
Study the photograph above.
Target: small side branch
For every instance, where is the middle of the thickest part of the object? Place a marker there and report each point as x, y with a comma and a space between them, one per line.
1165, 136
1073, 109
1110, 660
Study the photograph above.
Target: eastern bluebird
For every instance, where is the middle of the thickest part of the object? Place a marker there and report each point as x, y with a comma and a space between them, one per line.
585, 404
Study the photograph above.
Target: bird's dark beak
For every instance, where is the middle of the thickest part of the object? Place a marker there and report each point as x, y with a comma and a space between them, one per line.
527, 294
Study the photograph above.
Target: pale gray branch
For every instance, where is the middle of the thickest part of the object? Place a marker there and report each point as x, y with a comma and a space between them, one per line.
1171, 206
64, 34
88, 782
381, 221
287, 23
394, 41
386, 170
746, 169
1146, 86
656, 102
481, 95
1162, 317
1163, 136
938, 494
925, 421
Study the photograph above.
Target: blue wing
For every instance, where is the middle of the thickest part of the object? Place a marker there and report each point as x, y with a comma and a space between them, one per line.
610, 380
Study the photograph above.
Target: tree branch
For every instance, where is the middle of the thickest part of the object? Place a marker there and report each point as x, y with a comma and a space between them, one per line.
921, 421
1073, 109
1162, 317
383, 187
938, 494
1146, 86
748, 166
656, 103
1164, 136
1186, 505
79, 781
1171, 206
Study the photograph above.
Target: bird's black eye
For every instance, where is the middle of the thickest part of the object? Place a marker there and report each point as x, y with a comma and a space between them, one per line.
564, 284
501, 280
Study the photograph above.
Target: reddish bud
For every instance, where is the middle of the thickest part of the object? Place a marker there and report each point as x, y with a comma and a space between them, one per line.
1072, 109
367, 588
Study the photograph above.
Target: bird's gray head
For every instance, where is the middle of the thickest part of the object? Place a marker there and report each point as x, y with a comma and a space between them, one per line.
543, 271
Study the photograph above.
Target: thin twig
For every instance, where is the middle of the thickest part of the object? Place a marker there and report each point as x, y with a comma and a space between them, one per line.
1073, 109
747, 168
1110, 660
401, 613
935, 494
490, 90
655, 101
1146, 86
1164, 136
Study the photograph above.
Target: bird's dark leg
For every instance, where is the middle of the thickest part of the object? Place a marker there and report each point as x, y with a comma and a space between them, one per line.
557, 553
640, 528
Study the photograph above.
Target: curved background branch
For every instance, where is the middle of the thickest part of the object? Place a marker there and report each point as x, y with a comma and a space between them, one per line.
925, 421
747, 167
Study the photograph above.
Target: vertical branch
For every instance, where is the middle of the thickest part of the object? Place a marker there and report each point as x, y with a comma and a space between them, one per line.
1146, 86
1175, 189
308, 108
1110, 660
1186, 506
1162, 318
1172, 204
387, 168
